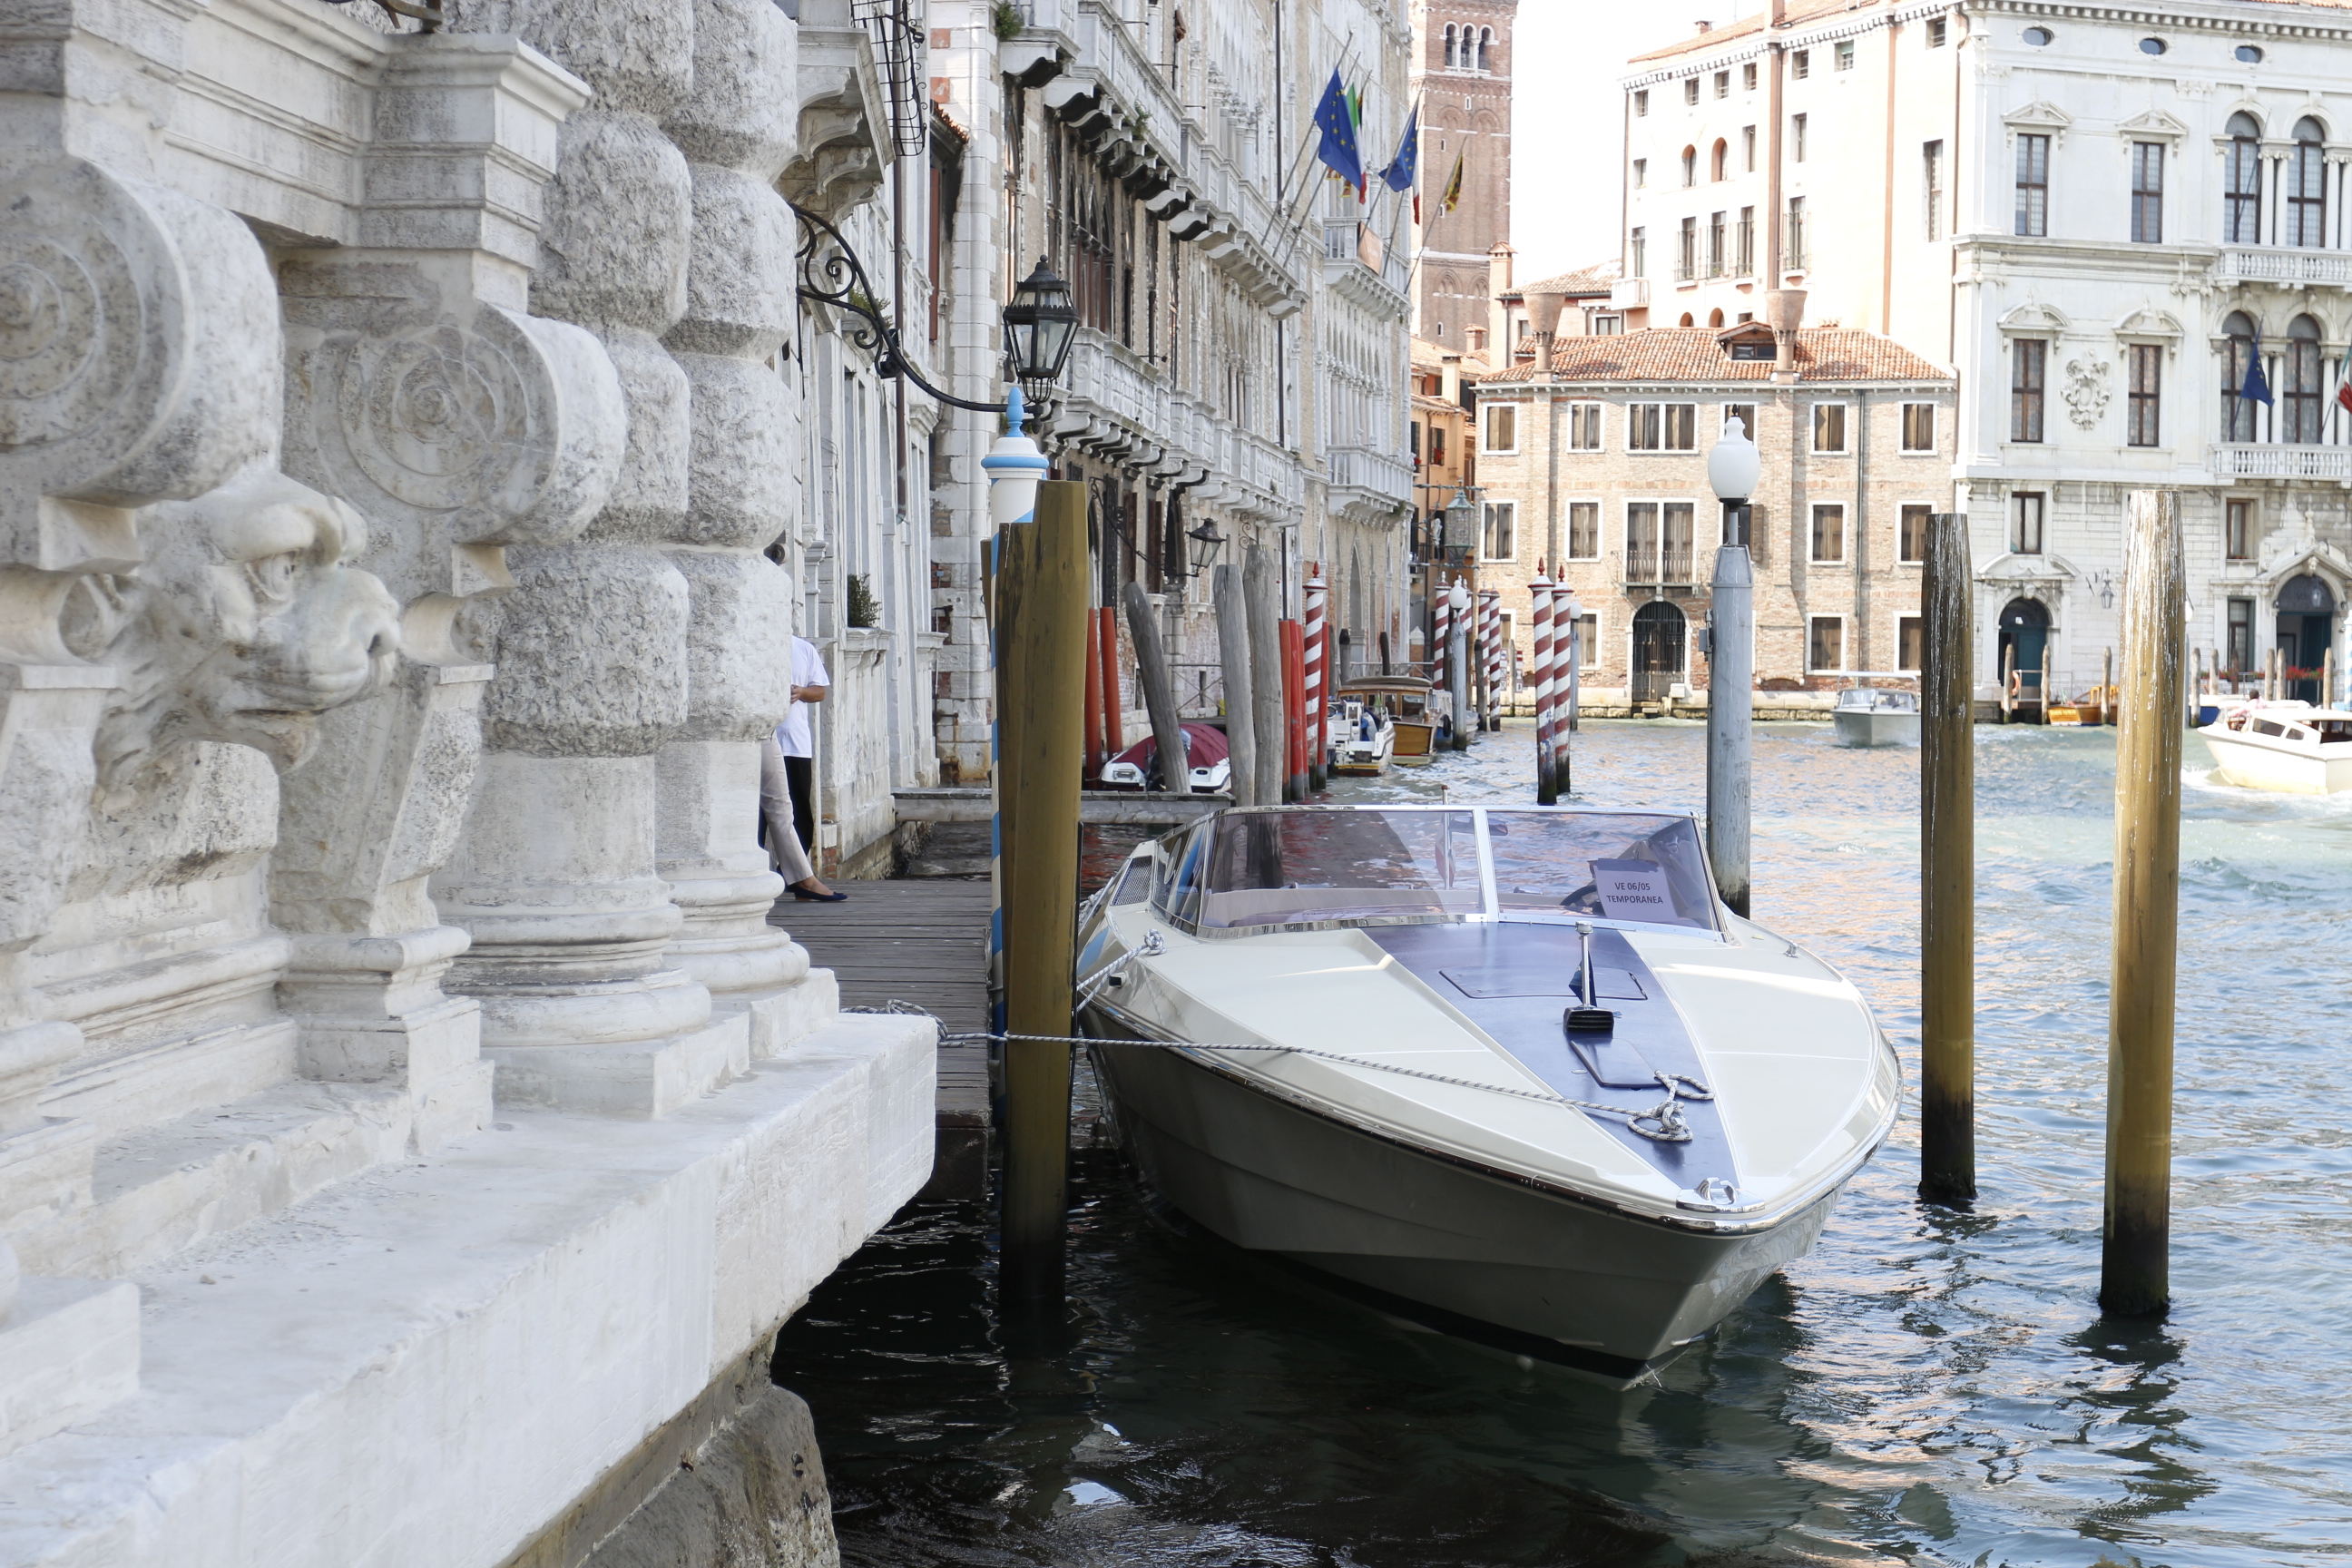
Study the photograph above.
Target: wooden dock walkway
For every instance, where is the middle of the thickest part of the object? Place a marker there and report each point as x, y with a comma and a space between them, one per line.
925, 942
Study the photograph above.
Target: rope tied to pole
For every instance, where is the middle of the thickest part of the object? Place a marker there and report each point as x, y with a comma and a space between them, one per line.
1660, 1123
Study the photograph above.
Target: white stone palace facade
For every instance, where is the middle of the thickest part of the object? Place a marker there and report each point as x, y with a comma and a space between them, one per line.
407, 1112
2095, 215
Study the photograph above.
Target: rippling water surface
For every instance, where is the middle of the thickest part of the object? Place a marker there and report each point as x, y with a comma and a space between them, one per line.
1926, 1386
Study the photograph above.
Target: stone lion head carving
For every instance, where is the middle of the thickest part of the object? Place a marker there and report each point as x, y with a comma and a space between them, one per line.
243, 626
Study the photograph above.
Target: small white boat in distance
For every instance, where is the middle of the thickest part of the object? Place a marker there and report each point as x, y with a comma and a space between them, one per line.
1361, 737
1874, 716
1514, 1074
2291, 747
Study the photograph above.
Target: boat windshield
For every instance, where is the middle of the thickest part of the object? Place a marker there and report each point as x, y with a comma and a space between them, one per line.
1299, 868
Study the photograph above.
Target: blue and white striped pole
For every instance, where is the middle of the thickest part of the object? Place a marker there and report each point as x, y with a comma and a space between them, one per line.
1014, 467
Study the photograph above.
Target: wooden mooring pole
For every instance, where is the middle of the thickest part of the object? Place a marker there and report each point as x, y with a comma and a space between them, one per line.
1240, 699
1043, 623
2134, 1271
1159, 692
1947, 849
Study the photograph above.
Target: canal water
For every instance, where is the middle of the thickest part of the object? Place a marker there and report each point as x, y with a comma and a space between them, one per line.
1928, 1387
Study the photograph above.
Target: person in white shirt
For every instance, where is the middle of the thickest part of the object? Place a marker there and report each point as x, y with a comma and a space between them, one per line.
788, 781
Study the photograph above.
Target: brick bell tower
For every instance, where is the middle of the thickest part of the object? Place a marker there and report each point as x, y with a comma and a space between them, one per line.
1462, 77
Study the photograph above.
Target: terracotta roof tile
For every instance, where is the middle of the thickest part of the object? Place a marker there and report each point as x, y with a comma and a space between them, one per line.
1693, 354
1591, 280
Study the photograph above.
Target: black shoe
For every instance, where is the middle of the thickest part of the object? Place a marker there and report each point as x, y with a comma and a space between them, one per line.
808, 898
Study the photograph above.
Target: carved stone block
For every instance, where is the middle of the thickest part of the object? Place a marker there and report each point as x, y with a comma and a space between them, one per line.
636, 54
648, 499
740, 289
607, 262
592, 653
739, 647
742, 490
735, 116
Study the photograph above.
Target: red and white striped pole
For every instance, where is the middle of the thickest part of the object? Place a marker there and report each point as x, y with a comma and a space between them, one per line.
1490, 652
1539, 679
1442, 615
1565, 656
1318, 724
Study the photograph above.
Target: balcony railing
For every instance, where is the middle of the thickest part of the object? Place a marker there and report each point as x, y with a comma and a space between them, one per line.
2279, 264
2281, 460
1668, 568
1362, 468
1629, 293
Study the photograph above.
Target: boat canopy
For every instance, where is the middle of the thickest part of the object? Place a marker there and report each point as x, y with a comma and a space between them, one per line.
1251, 870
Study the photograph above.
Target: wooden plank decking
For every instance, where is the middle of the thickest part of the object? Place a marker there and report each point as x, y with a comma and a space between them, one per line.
924, 941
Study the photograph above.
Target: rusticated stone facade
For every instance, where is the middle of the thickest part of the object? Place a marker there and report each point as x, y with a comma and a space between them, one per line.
393, 433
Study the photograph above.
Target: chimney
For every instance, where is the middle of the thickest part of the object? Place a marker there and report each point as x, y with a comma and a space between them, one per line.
1500, 347
1705, 25
1543, 321
1784, 312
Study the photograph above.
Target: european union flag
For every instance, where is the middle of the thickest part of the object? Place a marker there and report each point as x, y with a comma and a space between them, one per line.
2257, 387
1401, 172
1338, 126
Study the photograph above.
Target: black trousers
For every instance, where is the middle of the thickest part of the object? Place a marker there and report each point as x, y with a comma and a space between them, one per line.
800, 770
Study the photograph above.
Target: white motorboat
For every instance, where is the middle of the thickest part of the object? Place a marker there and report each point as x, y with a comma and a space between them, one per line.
1874, 716
2291, 747
1513, 1073
1361, 737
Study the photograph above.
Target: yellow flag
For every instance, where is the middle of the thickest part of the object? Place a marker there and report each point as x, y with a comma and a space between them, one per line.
1452, 196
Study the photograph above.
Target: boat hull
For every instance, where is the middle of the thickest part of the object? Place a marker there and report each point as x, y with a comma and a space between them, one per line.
1552, 1274
1874, 727
1413, 741
2252, 764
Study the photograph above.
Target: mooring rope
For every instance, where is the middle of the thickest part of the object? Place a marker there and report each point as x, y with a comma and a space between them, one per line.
1663, 1122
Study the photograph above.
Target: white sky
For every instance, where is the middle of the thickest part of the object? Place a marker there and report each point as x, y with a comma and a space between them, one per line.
1564, 97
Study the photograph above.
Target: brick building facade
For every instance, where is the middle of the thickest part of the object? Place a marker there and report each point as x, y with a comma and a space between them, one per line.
1462, 79
1598, 470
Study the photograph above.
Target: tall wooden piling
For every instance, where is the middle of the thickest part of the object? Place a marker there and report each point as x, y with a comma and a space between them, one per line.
1042, 622
1947, 847
1158, 687
2134, 1273
1241, 702
1264, 617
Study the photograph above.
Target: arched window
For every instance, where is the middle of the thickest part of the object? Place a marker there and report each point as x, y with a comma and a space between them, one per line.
1449, 45
2306, 185
2302, 377
1716, 160
2237, 411
1690, 166
1485, 44
1715, 318
2241, 183
1686, 319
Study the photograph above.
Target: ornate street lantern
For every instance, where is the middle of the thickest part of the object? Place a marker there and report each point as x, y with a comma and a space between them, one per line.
1039, 326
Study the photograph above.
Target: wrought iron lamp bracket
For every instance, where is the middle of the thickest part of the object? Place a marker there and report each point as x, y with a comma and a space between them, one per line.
830, 274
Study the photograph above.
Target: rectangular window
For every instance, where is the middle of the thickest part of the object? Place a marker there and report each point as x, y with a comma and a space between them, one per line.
1501, 539
1587, 633
1824, 644
2025, 522
1918, 427
2147, 193
1661, 426
2238, 529
2028, 361
1910, 644
1911, 541
1641, 174
1637, 247
1690, 89
1829, 535
1686, 258
1935, 41
1584, 531
1676, 557
1931, 173
1437, 443
1416, 441
1747, 78
1607, 326
1723, 84
2147, 394
1584, 426
1641, 542
1717, 259
1795, 237
1829, 426
1846, 54
1745, 247
2034, 184
1501, 427
1743, 412
1641, 103
2241, 637
1800, 63
2242, 190
1748, 148
1797, 138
